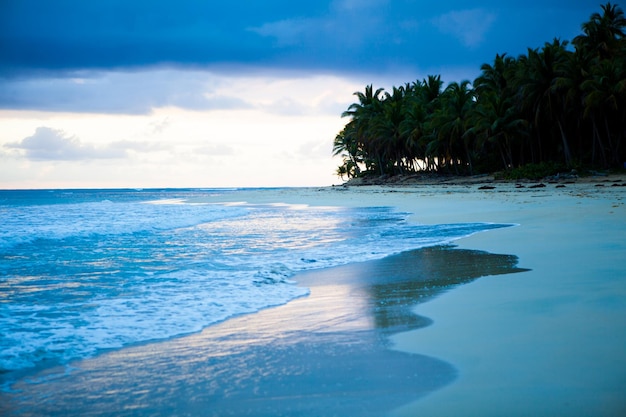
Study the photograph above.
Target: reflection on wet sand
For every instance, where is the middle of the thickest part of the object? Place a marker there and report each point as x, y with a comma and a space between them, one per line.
323, 355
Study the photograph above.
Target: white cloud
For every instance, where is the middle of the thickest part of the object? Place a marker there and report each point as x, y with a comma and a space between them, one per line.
213, 150
48, 144
291, 96
468, 26
158, 126
142, 147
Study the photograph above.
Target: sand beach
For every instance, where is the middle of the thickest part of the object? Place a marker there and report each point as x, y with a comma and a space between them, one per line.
517, 321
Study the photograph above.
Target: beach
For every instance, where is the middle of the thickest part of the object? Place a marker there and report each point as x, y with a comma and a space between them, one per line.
550, 341
522, 320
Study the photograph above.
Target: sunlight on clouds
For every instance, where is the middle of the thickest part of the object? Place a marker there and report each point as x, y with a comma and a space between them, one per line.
139, 92
315, 95
282, 137
469, 26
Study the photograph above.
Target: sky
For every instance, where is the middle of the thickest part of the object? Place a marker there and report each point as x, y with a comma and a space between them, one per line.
244, 93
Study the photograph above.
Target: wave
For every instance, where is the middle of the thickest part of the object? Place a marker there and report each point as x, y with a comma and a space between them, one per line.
82, 277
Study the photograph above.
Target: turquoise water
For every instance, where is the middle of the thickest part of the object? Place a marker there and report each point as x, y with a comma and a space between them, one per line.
87, 270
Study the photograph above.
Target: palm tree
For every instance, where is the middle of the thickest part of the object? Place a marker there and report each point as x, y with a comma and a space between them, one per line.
603, 43
431, 89
358, 129
413, 129
496, 78
497, 124
552, 104
602, 32
537, 77
388, 127
605, 101
574, 70
346, 146
366, 100
451, 121
496, 120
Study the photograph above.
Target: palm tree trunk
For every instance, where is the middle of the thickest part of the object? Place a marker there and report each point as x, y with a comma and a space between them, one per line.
566, 151
469, 159
539, 146
598, 140
614, 155
504, 163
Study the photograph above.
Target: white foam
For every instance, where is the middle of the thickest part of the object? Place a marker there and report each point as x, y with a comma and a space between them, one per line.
25, 224
179, 303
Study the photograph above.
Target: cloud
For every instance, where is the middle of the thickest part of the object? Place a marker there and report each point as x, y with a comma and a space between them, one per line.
317, 149
349, 23
120, 92
468, 26
287, 32
48, 144
74, 35
107, 34
144, 92
218, 149
351, 5
158, 126
127, 57
141, 147
333, 35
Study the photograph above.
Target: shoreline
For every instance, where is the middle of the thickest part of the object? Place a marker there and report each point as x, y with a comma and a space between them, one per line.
325, 354
547, 341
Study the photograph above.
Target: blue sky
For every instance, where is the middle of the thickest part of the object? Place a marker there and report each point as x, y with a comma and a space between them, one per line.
204, 93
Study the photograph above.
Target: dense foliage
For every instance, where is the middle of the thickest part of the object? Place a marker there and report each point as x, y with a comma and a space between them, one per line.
562, 104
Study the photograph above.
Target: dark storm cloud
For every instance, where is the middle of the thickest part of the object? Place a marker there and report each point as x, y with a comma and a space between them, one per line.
332, 35
77, 34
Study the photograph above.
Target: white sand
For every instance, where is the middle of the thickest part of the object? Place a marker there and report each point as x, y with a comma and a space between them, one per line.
549, 342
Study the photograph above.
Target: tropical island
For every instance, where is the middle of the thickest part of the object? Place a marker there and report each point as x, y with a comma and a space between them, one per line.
557, 108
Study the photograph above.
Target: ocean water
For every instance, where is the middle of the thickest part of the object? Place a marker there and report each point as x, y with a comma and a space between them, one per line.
87, 270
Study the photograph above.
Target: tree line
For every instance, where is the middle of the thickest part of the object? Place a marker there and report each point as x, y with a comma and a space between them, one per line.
563, 104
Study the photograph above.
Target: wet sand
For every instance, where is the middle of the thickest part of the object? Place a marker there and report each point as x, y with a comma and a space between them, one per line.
325, 355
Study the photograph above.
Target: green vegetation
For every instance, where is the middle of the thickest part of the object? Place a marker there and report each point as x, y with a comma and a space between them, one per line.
533, 171
556, 107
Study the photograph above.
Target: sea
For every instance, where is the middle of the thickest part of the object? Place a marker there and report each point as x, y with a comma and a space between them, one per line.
84, 271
